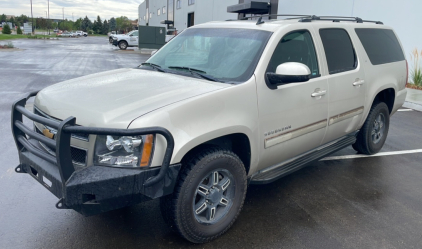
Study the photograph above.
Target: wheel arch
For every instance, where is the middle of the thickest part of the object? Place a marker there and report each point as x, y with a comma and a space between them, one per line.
238, 143
387, 96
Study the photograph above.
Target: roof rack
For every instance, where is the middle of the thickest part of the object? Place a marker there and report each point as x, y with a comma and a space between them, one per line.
337, 19
310, 18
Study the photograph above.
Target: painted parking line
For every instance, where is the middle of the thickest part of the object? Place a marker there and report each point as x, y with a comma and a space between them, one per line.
405, 110
390, 153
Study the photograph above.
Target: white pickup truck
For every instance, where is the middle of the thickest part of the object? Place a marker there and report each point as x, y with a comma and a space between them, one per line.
81, 33
126, 40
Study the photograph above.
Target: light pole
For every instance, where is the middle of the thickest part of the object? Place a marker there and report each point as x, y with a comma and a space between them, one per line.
48, 20
32, 16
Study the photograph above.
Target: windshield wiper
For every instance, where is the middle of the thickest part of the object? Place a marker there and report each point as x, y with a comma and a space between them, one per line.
188, 68
155, 66
197, 72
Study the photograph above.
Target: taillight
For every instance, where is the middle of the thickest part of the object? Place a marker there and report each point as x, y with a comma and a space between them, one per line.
407, 74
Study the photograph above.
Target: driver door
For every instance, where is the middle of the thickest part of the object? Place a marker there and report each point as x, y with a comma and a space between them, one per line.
293, 117
134, 38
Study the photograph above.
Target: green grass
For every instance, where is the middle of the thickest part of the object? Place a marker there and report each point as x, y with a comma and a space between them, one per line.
10, 37
97, 35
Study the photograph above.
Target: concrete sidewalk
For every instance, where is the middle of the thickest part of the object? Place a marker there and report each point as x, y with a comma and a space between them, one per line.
413, 99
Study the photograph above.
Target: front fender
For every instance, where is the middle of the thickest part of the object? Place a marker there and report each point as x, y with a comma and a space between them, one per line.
194, 121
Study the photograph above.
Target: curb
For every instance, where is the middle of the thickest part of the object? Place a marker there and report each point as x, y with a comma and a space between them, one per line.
414, 106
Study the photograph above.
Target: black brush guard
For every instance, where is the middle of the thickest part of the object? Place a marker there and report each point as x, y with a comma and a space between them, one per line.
94, 189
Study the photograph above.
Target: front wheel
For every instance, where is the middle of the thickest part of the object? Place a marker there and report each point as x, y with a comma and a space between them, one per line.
123, 45
374, 131
208, 197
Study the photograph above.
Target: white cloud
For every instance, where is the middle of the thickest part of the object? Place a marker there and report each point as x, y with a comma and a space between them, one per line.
79, 8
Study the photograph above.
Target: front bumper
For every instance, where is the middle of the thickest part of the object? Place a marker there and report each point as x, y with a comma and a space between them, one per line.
115, 42
94, 189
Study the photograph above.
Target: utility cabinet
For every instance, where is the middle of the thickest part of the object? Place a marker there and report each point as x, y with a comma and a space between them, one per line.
151, 37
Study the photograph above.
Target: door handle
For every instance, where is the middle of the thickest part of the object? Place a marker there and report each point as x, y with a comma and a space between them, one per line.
358, 82
319, 93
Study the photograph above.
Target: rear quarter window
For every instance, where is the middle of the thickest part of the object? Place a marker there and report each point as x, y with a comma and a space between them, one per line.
381, 45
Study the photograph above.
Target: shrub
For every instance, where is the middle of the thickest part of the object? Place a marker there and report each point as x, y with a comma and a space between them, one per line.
416, 72
90, 32
9, 45
19, 30
6, 30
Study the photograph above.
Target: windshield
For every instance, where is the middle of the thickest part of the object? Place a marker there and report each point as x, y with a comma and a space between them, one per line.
227, 55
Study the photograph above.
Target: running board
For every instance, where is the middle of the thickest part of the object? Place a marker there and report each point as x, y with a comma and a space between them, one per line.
275, 172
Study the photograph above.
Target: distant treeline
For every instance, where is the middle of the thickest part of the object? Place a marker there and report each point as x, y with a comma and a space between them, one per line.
121, 24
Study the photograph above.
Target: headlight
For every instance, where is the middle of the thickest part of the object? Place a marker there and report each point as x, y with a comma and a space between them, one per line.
124, 151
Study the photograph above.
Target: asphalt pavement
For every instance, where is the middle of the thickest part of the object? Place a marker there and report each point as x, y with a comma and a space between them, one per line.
370, 202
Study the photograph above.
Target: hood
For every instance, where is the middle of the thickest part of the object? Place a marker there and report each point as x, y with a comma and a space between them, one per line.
113, 99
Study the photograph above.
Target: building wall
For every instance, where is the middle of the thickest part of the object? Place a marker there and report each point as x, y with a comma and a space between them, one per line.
155, 19
403, 16
205, 11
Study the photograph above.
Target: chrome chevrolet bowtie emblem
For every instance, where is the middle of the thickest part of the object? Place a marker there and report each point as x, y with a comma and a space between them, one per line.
48, 133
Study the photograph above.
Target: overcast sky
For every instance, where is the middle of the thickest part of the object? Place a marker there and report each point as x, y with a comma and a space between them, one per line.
79, 8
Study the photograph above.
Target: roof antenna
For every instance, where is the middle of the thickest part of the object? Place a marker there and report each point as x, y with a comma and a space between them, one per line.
260, 21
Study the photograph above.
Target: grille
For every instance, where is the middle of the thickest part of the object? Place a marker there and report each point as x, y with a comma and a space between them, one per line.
78, 155
79, 136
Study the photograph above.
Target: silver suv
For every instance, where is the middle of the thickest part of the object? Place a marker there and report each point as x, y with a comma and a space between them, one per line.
221, 106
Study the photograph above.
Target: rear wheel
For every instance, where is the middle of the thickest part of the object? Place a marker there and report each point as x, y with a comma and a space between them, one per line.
208, 197
374, 131
110, 40
123, 45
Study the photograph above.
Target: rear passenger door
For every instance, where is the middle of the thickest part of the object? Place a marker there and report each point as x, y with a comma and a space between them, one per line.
346, 83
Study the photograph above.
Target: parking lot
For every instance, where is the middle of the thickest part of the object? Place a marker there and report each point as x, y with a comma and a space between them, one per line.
341, 202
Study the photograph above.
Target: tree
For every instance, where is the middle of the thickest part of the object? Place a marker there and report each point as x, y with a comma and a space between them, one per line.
98, 25
3, 18
19, 30
6, 29
123, 23
12, 20
105, 28
86, 24
77, 24
112, 24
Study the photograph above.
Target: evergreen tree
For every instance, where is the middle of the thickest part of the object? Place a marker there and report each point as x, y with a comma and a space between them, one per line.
19, 30
6, 30
3, 18
105, 28
86, 24
112, 24
98, 25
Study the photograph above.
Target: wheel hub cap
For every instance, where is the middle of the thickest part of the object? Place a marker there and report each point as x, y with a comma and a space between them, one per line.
214, 197
378, 128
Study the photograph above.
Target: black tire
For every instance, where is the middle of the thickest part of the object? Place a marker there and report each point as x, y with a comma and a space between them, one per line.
368, 142
123, 45
179, 209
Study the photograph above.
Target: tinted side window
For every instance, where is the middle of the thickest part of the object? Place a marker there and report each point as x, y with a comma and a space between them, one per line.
339, 50
381, 45
295, 47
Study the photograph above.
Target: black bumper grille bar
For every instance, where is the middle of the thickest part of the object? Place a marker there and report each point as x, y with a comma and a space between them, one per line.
65, 128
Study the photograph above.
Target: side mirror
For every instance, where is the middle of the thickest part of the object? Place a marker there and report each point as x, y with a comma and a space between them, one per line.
153, 52
289, 72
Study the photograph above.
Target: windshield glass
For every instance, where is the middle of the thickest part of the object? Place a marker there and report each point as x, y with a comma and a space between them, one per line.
227, 55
